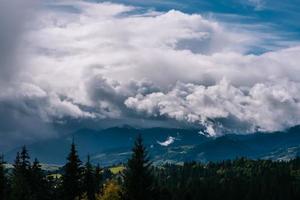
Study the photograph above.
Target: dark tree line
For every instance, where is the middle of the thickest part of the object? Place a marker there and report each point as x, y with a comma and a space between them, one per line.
240, 179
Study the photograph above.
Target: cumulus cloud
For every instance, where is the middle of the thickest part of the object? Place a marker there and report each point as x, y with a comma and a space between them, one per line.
95, 61
112, 55
266, 106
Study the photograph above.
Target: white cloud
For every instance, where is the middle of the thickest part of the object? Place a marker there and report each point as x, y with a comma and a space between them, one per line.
100, 60
266, 106
170, 140
103, 41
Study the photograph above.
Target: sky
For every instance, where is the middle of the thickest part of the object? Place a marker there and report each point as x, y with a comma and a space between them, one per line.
223, 66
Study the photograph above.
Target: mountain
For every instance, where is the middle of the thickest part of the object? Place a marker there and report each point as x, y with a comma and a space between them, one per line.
107, 144
113, 145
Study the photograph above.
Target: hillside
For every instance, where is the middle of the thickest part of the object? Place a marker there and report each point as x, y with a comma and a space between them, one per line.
113, 145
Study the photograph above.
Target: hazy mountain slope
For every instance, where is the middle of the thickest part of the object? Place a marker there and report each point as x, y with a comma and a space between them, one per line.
97, 143
113, 145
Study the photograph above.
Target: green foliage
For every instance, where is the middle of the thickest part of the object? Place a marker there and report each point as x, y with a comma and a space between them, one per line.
238, 179
117, 169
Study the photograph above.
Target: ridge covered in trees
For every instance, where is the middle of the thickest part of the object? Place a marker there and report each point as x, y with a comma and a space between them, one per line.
140, 180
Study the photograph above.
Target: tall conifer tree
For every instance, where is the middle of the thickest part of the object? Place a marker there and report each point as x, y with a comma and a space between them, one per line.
138, 180
98, 179
21, 188
39, 183
72, 177
89, 180
3, 180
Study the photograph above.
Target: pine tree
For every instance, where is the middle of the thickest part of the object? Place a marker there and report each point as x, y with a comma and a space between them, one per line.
72, 177
89, 180
138, 180
39, 184
98, 179
3, 180
21, 188
25, 159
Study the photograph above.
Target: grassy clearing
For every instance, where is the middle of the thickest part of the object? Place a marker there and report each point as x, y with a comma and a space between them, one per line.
55, 176
117, 169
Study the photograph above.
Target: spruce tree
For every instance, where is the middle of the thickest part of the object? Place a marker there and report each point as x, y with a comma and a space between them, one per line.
138, 180
3, 180
25, 159
89, 180
39, 184
21, 188
72, 177
98, 179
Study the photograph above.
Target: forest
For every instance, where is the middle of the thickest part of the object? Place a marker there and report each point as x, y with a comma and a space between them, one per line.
239, 179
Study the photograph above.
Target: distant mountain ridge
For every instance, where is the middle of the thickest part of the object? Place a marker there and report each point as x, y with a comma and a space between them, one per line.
113, 145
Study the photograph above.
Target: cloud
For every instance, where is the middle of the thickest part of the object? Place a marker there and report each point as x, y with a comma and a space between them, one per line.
170, 140
266, 106
107, 64
12, 15
84, 61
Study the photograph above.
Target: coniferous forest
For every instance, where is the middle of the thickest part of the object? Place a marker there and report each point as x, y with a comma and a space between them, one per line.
140, 180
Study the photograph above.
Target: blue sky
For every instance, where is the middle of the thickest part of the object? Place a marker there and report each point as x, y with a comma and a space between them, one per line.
284, 14
279, 18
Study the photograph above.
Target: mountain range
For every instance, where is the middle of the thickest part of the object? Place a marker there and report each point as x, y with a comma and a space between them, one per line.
113, 145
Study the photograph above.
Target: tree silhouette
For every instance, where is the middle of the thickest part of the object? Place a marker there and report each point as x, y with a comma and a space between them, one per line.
98, 179
89, 180
138, 180
21, 188
72, 177
39, 183
3, 180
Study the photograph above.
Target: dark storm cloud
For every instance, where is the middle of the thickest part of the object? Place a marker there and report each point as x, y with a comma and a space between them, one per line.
19, 125
13, 15
18, 119
109, 95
